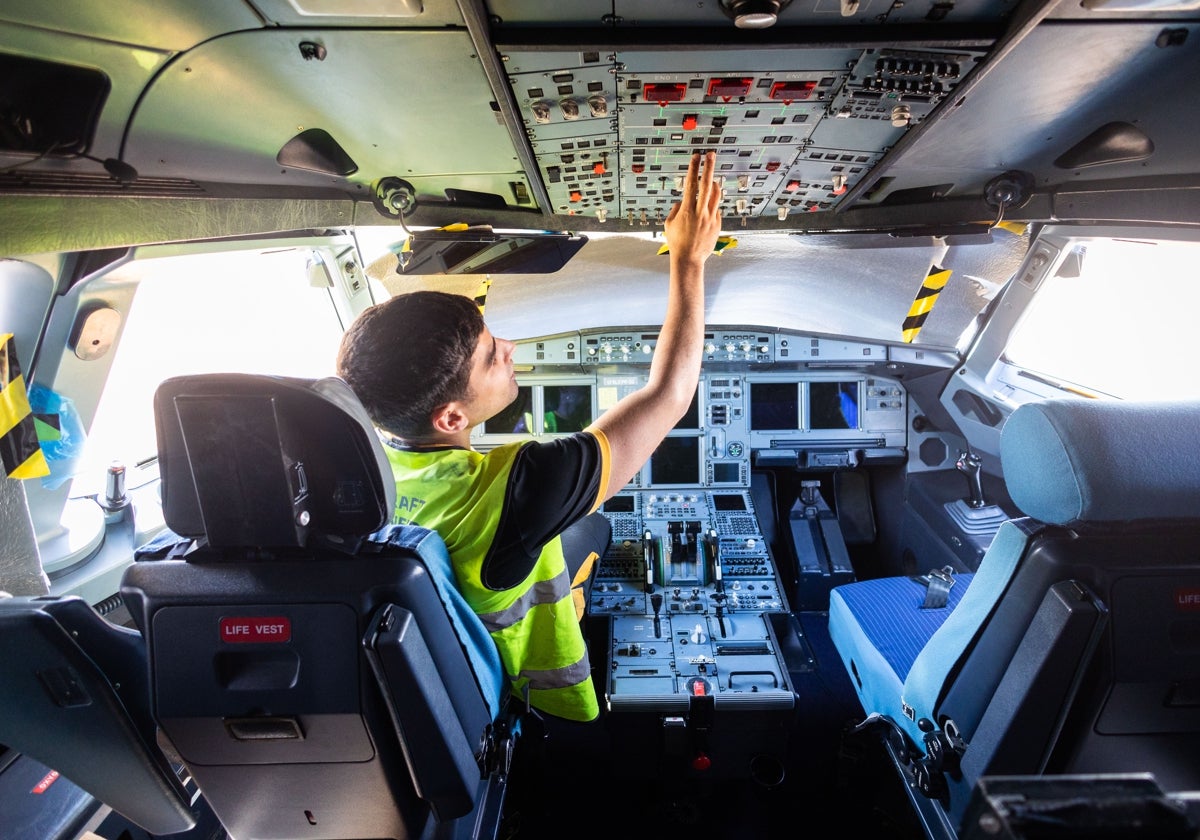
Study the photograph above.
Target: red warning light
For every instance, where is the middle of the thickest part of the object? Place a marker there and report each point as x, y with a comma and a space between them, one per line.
729, 88
689, 122
664, 93
576, 195
789, 92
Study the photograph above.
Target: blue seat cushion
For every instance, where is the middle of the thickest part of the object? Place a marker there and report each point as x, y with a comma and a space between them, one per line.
878, 627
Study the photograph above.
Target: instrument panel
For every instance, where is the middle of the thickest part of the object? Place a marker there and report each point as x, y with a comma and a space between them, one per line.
612, 131
689, 584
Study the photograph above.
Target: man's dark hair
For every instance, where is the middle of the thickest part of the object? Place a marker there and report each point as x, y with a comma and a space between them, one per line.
408, 355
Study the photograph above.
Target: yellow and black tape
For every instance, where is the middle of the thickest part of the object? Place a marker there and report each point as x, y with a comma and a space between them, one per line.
19, 447
481, 293
723, 243
926, 297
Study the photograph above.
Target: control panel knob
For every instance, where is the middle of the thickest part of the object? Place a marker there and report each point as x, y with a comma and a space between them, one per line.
710, 348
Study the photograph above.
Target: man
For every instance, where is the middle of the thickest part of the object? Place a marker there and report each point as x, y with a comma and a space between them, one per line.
428, 371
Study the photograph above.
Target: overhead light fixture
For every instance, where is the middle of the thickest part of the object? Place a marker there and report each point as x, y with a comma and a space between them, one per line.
754, 14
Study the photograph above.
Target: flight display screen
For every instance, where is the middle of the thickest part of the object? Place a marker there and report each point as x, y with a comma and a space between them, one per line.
774, 406
513, 418
619, 504
691, 419
833, 405
676, 461
568, 408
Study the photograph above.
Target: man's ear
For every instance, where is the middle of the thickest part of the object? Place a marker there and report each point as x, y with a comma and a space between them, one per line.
450, 419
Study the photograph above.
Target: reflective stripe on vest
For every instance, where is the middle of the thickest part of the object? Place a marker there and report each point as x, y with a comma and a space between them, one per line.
542, 592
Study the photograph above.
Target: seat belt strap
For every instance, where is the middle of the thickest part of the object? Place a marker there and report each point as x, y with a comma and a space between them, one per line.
937, 587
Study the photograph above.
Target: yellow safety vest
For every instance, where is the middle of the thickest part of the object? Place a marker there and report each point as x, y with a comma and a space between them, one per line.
460, 494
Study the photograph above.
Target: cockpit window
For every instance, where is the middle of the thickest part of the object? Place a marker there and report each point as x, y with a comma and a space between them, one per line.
244, 311
1107, 320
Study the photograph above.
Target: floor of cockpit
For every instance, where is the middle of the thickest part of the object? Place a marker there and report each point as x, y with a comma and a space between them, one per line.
585, 780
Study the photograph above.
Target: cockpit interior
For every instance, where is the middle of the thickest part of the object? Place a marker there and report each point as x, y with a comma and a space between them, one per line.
918, 561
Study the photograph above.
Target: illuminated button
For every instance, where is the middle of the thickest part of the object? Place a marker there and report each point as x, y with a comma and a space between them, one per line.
689, 122
576, 195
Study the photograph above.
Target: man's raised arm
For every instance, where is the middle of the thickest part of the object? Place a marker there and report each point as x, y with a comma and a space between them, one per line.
639, 422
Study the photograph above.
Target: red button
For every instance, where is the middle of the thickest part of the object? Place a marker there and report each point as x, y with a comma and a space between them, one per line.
701, 762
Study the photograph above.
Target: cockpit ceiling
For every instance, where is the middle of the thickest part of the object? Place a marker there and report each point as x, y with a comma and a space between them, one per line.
848, 286
845, 115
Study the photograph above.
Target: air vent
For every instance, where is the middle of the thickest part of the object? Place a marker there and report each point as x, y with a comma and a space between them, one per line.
86, 183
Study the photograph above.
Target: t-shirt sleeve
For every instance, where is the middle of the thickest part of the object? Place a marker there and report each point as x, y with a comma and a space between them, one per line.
551, 484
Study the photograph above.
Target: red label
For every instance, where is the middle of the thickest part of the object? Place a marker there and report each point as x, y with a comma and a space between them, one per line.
1188, 599
49, 779
257, 630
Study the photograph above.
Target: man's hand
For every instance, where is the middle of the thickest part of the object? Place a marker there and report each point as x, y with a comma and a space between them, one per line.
692, 226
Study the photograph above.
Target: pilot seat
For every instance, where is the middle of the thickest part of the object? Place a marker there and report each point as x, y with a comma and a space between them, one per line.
1074, 648
314, 667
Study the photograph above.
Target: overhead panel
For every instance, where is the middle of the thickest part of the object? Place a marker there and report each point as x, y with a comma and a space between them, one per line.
612, 131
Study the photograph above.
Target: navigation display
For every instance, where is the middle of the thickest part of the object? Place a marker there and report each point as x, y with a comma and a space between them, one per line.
833, 405
691, 420
774, 406
514, 418
568, 408
676, 461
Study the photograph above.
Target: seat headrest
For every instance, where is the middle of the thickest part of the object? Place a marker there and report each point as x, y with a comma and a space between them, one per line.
1074, 461
269, 461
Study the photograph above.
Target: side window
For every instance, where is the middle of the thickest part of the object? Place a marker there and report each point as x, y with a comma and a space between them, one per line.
1112, 319
241, 312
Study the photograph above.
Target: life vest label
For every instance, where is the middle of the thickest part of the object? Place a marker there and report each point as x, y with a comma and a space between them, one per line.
44, 785
1187, 598
256, 630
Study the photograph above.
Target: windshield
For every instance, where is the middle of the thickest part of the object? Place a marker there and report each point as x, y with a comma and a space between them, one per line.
1107, 320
